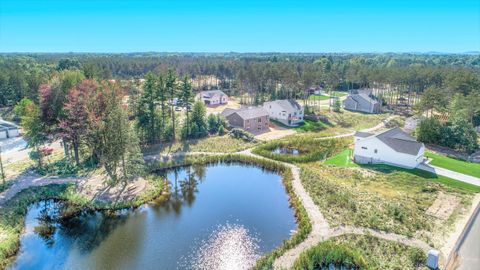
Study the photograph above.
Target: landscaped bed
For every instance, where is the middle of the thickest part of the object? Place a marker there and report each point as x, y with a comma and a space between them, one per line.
392, 200
307, 148
361, 252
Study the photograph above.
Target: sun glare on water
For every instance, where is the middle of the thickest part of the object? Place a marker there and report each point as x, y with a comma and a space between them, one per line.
228, 247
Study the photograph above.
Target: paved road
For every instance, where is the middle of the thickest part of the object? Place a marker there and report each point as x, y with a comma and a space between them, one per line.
469, 250
450, 174
20, 152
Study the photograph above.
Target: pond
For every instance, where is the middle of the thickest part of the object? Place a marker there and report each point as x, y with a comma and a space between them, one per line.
218, 217
286, 150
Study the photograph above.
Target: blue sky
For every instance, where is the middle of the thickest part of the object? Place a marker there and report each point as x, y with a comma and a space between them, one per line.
240, 26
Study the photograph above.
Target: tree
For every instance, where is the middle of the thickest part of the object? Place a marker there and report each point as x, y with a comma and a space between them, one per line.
171, 89
337, 105
186, 97
121, 154
198, 126
147, 110
75, 123
33, 129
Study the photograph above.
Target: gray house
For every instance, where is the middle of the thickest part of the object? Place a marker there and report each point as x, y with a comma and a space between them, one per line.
253, 119
362, 101
8, 130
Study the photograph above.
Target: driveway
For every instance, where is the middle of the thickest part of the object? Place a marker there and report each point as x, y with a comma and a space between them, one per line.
19, 152
450, 174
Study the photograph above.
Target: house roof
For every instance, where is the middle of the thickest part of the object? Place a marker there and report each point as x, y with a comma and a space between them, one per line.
7, 125
362, 134
400, 141
363, 96
211, 93
227, 111
287, 104
246, 113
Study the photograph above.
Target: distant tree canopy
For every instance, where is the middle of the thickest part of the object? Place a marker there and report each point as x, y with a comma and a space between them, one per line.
263, 76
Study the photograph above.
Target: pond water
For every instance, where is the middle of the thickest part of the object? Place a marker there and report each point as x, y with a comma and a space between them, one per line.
219, 217
286, 150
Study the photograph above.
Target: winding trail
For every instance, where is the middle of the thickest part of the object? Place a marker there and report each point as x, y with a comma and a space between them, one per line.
25, 181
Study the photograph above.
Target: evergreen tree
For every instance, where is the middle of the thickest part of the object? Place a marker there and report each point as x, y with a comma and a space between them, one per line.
171, 89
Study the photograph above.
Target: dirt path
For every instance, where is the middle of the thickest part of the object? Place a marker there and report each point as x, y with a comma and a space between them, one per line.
25, 181
413, 242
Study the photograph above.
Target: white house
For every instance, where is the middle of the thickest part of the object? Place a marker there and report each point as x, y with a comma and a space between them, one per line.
213, 97
3, 132
393, 147
286, 111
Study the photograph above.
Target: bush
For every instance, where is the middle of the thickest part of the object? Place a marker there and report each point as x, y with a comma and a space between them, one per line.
239, 133
328, 254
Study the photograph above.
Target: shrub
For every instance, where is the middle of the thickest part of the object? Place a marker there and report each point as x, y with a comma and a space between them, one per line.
328, 254
239, 133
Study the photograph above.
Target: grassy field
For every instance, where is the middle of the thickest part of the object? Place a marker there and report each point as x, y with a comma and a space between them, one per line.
389, 200
362, 252
455, 165
309, 149
217, 144
318, 97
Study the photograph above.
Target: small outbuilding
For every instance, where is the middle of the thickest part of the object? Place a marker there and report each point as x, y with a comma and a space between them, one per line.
393, 147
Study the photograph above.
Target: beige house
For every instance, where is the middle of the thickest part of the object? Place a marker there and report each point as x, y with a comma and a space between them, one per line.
253, 119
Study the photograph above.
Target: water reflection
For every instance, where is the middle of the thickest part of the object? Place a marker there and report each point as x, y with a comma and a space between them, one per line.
229, 247
193, 224
286, 150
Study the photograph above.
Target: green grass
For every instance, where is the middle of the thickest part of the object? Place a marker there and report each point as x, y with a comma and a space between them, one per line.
426, 176
311, 126
453, 164
383, 198
310, 149
318, 97
341, 159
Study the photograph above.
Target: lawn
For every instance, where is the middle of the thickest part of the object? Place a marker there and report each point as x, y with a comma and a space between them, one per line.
383, 198
216, 144
456, 165
318, 97
341, 159
308, 147
311, 126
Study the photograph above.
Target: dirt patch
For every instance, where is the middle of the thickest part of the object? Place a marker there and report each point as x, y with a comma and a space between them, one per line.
3, 235
96, 188
232, 104
443, 206
275, 132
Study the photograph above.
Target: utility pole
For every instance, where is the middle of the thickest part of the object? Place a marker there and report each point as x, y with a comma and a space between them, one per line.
2, 172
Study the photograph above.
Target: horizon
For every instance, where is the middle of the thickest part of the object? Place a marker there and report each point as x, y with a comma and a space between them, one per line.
54, 26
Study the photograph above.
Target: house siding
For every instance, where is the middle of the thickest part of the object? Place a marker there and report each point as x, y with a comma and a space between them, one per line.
251, 125
276, 112
364, 153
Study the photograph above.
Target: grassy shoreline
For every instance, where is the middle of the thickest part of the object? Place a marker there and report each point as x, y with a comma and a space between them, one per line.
13, 212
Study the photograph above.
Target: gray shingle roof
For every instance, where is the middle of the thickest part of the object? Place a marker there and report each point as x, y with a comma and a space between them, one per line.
362, 134
363, 96
210, 93
400, 141
246, 113
287, 104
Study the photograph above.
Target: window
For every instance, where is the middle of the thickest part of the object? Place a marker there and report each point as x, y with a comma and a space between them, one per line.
375, 151
363, 147
259, 120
